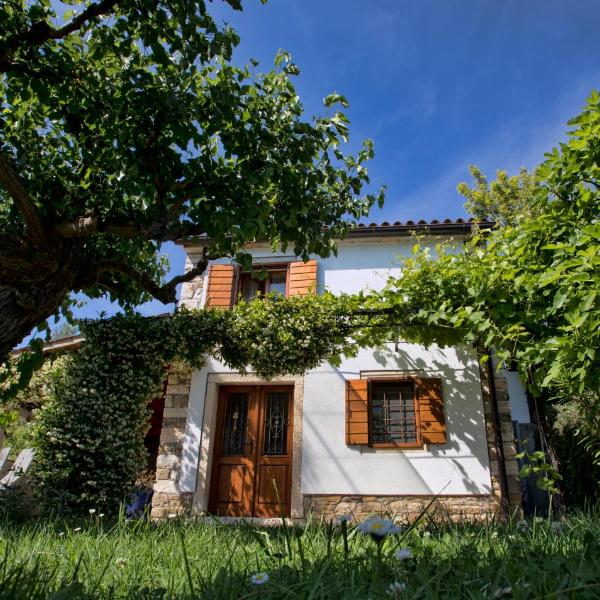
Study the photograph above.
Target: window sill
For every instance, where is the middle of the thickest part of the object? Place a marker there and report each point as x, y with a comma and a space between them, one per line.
418, 446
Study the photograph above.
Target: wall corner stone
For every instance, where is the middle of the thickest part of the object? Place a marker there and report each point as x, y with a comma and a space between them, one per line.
167, 498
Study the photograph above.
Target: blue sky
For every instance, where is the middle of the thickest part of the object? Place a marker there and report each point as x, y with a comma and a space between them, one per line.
437, 84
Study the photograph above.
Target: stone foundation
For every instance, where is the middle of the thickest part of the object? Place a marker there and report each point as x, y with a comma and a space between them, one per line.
165, 504
403, 509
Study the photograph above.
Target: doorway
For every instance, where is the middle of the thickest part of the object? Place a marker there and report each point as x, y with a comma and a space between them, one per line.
252, 464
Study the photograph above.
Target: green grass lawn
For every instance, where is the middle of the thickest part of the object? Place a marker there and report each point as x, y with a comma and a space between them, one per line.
186, 559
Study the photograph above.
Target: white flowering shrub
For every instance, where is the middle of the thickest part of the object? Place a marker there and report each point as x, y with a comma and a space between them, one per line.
90, 432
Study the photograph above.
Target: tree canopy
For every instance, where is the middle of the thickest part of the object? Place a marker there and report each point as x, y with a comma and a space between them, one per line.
529, 289
126, 126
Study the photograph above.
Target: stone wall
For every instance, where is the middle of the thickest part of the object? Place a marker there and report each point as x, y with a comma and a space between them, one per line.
402, 508
167, 497
191, 291
514, 500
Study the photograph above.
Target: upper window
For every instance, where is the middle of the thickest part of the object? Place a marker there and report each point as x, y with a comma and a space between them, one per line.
393, 413
255, 284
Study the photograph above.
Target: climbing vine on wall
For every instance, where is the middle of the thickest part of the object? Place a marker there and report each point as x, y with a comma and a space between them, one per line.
90, 433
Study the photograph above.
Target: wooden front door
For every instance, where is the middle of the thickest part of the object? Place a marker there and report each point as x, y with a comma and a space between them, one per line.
252, 465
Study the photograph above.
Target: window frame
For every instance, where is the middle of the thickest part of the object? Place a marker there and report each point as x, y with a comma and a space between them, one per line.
257, 267
404, 445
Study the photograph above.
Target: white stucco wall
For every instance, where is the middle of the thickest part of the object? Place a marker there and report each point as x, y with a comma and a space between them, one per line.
329, 466
519, 408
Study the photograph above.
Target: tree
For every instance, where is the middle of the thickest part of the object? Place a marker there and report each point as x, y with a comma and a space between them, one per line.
505, 201
531, 289
127, 127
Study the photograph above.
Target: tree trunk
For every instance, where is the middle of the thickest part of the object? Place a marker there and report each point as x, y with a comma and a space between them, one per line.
22, 309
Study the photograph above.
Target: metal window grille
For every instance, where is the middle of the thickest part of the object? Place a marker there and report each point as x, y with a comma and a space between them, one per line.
393, 415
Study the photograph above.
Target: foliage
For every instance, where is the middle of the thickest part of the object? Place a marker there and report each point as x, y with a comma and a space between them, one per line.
547, 477
127, 127
530, 290
90, 433
506, 201
191, 559
19, 428
575, 438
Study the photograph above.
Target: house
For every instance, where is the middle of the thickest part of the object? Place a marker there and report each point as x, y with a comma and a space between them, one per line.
386, 431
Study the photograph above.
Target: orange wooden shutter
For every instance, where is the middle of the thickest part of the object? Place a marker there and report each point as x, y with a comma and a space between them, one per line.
431, 410
357, 412
221, 284
303, 278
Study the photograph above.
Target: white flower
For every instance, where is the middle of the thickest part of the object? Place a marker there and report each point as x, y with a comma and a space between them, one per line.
171, 516
61, 534
92, 511
403, 553
260, 578
77, 529
395, 588
101, 515
378, 527
502, 592
120, 562
427, 534
539, 520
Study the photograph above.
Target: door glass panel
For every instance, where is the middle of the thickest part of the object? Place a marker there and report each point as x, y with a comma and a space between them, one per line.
236, 418
276, 424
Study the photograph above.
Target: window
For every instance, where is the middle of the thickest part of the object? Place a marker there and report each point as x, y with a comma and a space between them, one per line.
393, 413
256, 284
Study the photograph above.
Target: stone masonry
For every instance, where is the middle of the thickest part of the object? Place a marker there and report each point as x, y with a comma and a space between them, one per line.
403, 509
191, 291
514, 501
167, 497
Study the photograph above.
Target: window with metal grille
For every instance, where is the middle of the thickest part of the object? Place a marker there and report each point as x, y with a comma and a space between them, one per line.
393, 414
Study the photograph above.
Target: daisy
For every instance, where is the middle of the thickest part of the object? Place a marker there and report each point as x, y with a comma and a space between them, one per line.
378, 528
259, 578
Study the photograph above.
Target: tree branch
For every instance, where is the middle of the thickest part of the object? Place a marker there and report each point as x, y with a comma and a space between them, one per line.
166, 293
40, 32
14, 186
159, 231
